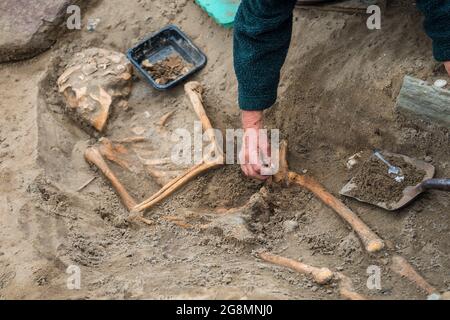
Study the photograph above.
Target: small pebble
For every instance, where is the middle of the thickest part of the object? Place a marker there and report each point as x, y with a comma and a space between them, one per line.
227, 279
92, 24
434, 296
440, 83
290, 226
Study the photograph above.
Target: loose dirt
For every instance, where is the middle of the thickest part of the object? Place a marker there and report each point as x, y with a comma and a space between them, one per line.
375, 185
337, 97
167, 70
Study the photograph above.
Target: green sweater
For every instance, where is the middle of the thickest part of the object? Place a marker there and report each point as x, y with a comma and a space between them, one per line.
262, 35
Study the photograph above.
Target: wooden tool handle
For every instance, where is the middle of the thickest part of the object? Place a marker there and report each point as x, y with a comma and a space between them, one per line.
93, 156
370, 240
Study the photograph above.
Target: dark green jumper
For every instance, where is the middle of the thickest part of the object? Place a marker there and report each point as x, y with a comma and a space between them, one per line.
262, 35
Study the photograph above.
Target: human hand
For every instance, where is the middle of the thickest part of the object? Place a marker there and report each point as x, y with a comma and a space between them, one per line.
255, 153
447, 67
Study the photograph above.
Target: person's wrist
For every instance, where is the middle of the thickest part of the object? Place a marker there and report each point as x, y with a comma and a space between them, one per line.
447, 66
252, 119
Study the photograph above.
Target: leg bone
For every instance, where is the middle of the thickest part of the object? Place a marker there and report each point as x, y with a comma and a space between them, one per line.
320, 276
370, 240
406, 270
94, 157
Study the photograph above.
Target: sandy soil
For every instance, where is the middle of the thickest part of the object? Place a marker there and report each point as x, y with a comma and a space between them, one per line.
337, 98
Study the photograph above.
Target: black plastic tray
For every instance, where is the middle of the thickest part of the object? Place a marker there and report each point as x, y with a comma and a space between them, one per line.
162, 44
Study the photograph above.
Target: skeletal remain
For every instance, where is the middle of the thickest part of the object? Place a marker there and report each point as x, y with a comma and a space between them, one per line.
115, 152
91, 95
120, 155
178, 221
146, 221
175, 185
319, 275
370, 240
353, 160
156, 162
161, 177
228, 223
346, 288
84, 186
406, 270
194, 92
163, 121
94, 157
130, 140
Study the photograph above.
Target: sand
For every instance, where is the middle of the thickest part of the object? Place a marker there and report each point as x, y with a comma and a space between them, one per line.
337, 98
375, 185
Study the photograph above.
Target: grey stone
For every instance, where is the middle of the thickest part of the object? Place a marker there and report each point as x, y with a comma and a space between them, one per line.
232, 227
28, 28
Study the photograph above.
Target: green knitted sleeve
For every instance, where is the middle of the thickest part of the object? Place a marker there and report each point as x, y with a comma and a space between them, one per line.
262, 34
437, 26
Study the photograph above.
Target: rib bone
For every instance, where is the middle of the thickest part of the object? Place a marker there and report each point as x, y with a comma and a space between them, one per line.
194, 92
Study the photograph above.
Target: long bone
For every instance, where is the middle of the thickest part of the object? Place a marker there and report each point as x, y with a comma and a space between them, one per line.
321, 276
93, 156
96, 156
370, 240
406, 270
194, 93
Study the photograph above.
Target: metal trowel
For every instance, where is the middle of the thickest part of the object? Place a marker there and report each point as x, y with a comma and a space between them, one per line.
410, 192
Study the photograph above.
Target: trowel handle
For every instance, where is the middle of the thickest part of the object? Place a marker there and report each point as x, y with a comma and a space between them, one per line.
377, 153
437, 184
